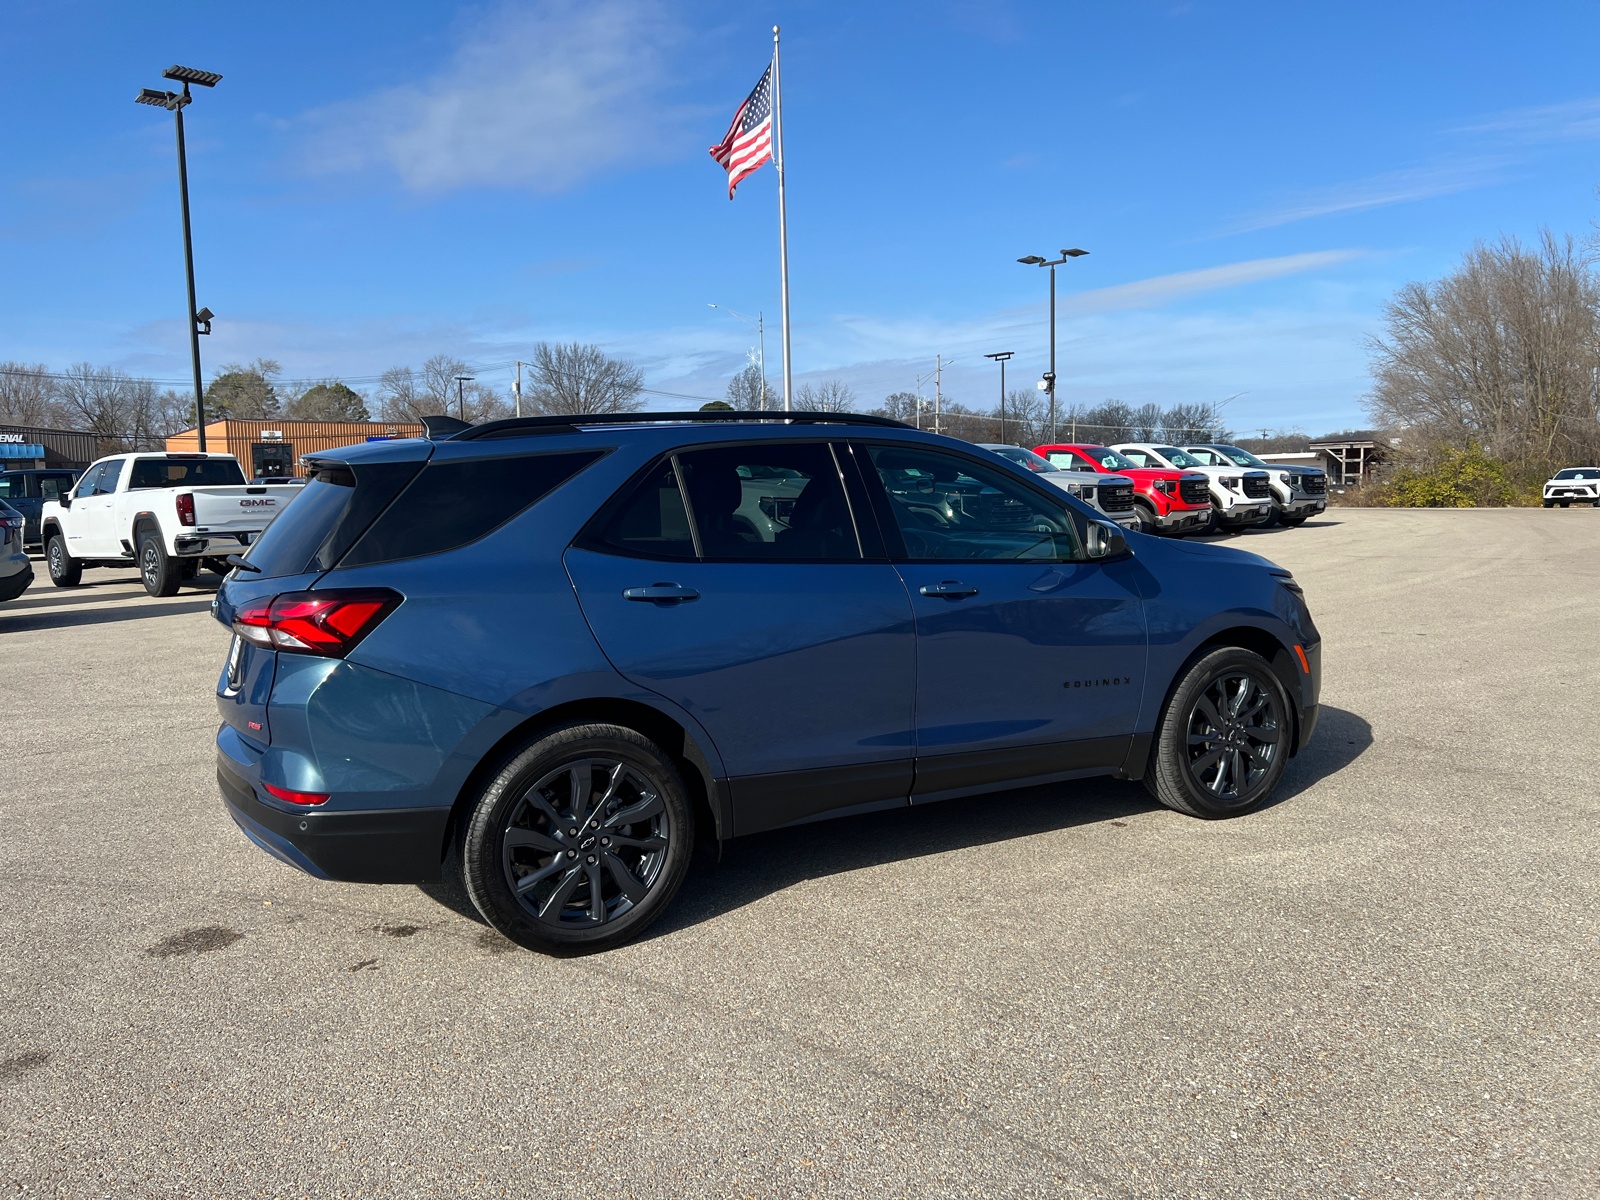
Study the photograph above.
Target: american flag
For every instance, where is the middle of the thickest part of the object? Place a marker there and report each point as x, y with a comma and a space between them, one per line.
748, 142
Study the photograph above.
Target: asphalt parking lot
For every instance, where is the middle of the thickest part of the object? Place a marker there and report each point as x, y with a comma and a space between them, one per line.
1384, 984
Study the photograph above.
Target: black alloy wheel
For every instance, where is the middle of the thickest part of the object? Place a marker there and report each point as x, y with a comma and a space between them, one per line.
580, 841
1223, 742
586, 843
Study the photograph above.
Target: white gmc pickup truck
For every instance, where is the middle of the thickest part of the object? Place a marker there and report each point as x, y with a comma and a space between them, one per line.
166, 512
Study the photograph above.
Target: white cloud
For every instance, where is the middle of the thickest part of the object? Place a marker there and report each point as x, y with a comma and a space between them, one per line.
540, 97
1576, 120
1379, 191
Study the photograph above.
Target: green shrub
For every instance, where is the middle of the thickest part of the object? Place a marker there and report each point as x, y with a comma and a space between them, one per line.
1455, 479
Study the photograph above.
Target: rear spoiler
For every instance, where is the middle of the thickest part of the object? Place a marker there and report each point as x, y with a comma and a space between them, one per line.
440, 428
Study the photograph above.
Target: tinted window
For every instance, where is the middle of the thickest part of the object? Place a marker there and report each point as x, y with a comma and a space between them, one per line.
950, 510
50, 487
91, 477
288, 544
110, 473
651, 521
769, 501
450, 504
11, 487
181, 472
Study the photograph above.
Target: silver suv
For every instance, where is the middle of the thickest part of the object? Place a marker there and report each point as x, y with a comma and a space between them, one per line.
1111, 495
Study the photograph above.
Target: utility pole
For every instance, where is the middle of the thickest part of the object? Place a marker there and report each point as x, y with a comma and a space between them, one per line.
1002, 358
517, 387
461, 400
938, 371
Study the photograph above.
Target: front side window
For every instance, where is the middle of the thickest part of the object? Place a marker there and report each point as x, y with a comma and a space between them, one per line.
769, 500
950, 510
11, 487
1208, 458
91, 478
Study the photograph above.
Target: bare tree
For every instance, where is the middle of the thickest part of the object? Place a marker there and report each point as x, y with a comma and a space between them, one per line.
1147, 423
27, 395
573, 378
748, 390
831, 395
407, 396
1504, 352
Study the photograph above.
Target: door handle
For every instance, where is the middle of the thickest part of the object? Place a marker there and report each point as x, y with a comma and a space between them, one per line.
949, 589
660, 591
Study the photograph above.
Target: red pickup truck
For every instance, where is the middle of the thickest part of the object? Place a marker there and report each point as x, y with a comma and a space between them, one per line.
1165, 501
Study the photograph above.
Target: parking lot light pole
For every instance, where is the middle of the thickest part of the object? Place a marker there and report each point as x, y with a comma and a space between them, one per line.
176, 102
1002, 358
461, 395
1035, 260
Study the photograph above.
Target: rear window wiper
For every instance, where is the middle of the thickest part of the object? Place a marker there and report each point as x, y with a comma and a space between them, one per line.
234, 560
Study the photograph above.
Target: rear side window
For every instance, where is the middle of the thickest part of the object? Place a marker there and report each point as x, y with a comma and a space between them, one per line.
769, 500
327, 517
11, 487
651, 521
181, 472
452, 503
49, 487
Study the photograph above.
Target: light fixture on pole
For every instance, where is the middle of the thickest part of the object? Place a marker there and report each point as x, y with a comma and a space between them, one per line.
761, 345
461, 400
1048, 384
1002, 358
176, 102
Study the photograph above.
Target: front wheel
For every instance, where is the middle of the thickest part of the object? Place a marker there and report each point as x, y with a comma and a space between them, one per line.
1566, 503
580, 840
1291, 522
1549, 503
1223, 742
65, 571
159, 573
1147, 520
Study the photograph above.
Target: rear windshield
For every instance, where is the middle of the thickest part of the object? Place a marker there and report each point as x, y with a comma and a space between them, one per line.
327, 517
184, 472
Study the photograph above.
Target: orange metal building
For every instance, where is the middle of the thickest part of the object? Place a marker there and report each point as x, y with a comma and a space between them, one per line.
275, 447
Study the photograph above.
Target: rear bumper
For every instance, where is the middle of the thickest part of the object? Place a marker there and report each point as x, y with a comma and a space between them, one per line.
202, 545
13, 585
362, 846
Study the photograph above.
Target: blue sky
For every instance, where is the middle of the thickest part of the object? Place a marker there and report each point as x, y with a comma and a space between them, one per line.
376, 183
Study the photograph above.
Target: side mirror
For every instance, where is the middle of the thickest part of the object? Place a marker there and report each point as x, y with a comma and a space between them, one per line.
1106, 541
65, 499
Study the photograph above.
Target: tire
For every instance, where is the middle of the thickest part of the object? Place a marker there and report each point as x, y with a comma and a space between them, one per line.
158, 571
1291, 522
1202, 722
1549, 503
1566, 503
1274, 517
65, 571
1147, 519
544, 872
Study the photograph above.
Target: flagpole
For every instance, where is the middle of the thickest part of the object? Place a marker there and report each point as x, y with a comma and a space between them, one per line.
783, 229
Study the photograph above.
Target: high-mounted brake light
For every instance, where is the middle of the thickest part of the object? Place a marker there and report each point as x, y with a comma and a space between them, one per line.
298, 797
329, 624
185, 502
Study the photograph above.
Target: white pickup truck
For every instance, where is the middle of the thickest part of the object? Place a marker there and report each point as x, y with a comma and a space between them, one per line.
167, 513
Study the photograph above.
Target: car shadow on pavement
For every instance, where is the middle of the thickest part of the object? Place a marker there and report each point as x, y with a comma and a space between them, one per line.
53, 619
764, 863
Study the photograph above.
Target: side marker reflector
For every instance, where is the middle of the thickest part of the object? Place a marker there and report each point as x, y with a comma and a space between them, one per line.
1303, 663
297, 797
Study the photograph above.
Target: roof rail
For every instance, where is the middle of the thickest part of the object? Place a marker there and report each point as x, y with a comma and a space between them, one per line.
528, 426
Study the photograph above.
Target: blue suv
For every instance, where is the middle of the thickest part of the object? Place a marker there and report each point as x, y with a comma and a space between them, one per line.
558, 650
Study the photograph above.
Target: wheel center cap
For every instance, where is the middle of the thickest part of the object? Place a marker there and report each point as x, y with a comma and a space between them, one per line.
586, 843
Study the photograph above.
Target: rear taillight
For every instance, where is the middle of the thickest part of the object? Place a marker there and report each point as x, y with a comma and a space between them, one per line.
185, 503
328, 623
298, 797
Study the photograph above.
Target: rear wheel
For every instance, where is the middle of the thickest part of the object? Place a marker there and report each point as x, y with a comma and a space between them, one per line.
580, 840
1223, 742
158, 571
65, 571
